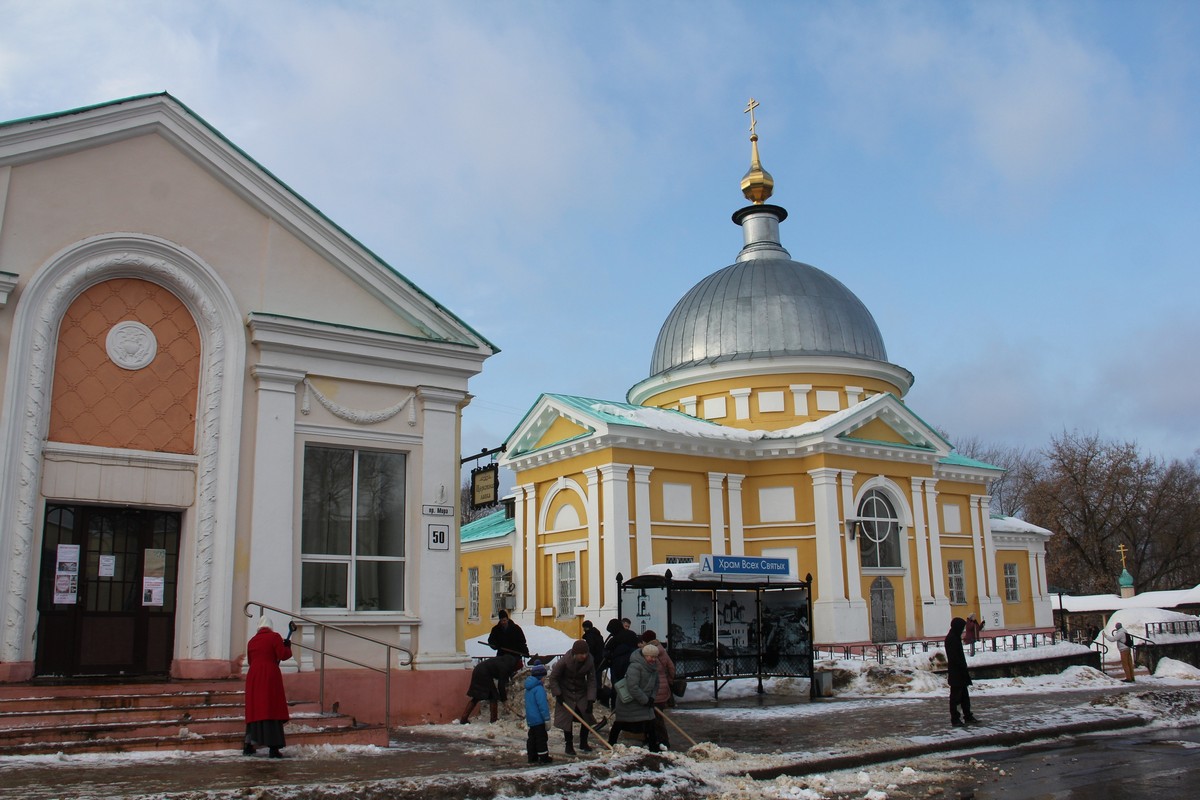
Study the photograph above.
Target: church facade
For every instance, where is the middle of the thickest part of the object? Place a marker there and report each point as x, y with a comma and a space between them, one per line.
771, 424
212, 396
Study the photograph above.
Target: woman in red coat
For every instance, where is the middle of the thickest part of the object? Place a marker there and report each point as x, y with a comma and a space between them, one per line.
266, 704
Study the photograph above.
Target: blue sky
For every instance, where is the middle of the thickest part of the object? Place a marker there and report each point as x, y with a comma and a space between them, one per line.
1013, 189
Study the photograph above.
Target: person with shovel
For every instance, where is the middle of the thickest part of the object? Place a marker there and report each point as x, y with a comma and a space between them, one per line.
573, 685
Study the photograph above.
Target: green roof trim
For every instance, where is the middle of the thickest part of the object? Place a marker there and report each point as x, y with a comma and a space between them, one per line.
957, 460
199, 119
493, 526
904, 445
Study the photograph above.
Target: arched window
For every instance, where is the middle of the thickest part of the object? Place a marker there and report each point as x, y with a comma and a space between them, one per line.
879, 531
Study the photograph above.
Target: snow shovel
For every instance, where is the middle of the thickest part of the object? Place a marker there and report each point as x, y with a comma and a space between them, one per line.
671, 722
595, 733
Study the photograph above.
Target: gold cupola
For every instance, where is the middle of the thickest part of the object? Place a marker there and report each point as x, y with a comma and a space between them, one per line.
757, 184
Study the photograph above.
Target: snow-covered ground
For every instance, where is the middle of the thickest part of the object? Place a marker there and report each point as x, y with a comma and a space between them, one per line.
713, 771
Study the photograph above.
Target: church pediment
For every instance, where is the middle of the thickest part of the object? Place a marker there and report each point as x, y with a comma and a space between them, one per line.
551, 421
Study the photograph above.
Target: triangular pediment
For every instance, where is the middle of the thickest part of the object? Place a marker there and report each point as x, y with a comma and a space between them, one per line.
885, 420
552, 420
369, 292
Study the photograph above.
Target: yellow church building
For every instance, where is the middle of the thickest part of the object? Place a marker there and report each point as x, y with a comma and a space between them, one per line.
771, 424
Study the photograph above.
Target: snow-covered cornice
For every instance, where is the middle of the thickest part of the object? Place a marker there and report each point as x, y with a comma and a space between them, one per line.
782, 365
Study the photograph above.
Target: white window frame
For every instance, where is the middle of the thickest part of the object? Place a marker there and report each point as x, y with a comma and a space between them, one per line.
1012, 583
956, 582
566, 588
352, 560
499, 581
473, 593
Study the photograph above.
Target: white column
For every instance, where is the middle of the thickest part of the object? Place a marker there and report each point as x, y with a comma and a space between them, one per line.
274, 541
800, 398
853, 395
853, 558
936, 560
433, 570
829, 562
937, 616
741, 403
518, 548
593, 533
641, 518
716, 513
995, 591
688, 405
531, 554
981, 576
918, 503
615, 501
737, 535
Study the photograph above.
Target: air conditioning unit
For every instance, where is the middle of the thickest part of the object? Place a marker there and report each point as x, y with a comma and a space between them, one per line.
509, 602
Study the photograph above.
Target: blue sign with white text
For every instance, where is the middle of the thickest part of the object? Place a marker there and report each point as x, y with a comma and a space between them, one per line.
743, 565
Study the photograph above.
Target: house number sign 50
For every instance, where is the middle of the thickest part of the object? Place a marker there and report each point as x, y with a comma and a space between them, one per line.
439, 537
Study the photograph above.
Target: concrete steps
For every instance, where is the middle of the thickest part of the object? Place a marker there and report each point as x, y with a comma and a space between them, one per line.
166, 716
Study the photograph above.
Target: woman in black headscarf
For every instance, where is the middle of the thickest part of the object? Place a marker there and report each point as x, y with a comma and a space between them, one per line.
957, 674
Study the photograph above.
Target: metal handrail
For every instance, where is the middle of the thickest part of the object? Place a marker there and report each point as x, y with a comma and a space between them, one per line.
322, 627
881, 651
1174, 626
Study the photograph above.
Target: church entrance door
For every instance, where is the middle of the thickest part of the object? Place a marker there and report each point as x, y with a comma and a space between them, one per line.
106, 597
883, 611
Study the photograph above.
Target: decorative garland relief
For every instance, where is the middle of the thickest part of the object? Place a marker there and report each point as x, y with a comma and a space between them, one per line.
353, 415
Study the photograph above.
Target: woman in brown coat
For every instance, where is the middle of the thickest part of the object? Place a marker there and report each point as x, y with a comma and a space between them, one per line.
573, 684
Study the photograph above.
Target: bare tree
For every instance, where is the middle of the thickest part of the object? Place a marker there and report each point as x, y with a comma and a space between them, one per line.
1021, 467
466, 513
1097, 495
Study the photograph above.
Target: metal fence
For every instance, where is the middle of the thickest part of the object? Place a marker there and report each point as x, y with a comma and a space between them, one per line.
884, 651
1178, 626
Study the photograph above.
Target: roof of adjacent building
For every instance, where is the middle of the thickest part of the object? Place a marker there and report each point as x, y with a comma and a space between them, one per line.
493, 526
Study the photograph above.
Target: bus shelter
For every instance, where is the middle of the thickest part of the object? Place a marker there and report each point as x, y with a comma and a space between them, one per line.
717, 627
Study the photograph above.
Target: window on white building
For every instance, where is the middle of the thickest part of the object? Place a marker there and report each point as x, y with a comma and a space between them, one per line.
957, 579
352, 529
473, 593
1012, 584
566, 589
878, 531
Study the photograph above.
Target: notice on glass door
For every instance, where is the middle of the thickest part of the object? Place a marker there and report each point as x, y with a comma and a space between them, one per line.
154, 572
66, 574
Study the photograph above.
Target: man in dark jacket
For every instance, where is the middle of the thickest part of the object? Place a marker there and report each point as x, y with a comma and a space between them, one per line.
489, 681
957, 674
507, 637
595, 643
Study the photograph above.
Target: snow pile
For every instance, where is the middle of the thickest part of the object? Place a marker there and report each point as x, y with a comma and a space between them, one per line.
1170, 668
1136, 619
541, 640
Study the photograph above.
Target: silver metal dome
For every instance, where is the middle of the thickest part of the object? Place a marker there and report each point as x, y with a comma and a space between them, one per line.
765, 305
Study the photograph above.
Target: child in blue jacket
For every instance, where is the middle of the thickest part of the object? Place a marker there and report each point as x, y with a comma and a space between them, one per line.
537, 714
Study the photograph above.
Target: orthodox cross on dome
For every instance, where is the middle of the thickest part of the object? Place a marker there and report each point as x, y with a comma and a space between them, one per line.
757, 184
753, 104
1122, 549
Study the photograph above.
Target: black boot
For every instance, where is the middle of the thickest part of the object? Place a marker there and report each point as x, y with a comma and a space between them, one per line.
274, 753
247, 749
569, 749
583, 741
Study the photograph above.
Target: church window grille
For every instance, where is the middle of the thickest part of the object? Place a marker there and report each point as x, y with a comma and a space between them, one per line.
499, 588
473, 593
879, 531
958, 582
1012, 584
566, 589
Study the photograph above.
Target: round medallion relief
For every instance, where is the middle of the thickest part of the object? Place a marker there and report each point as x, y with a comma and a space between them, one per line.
131, 345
